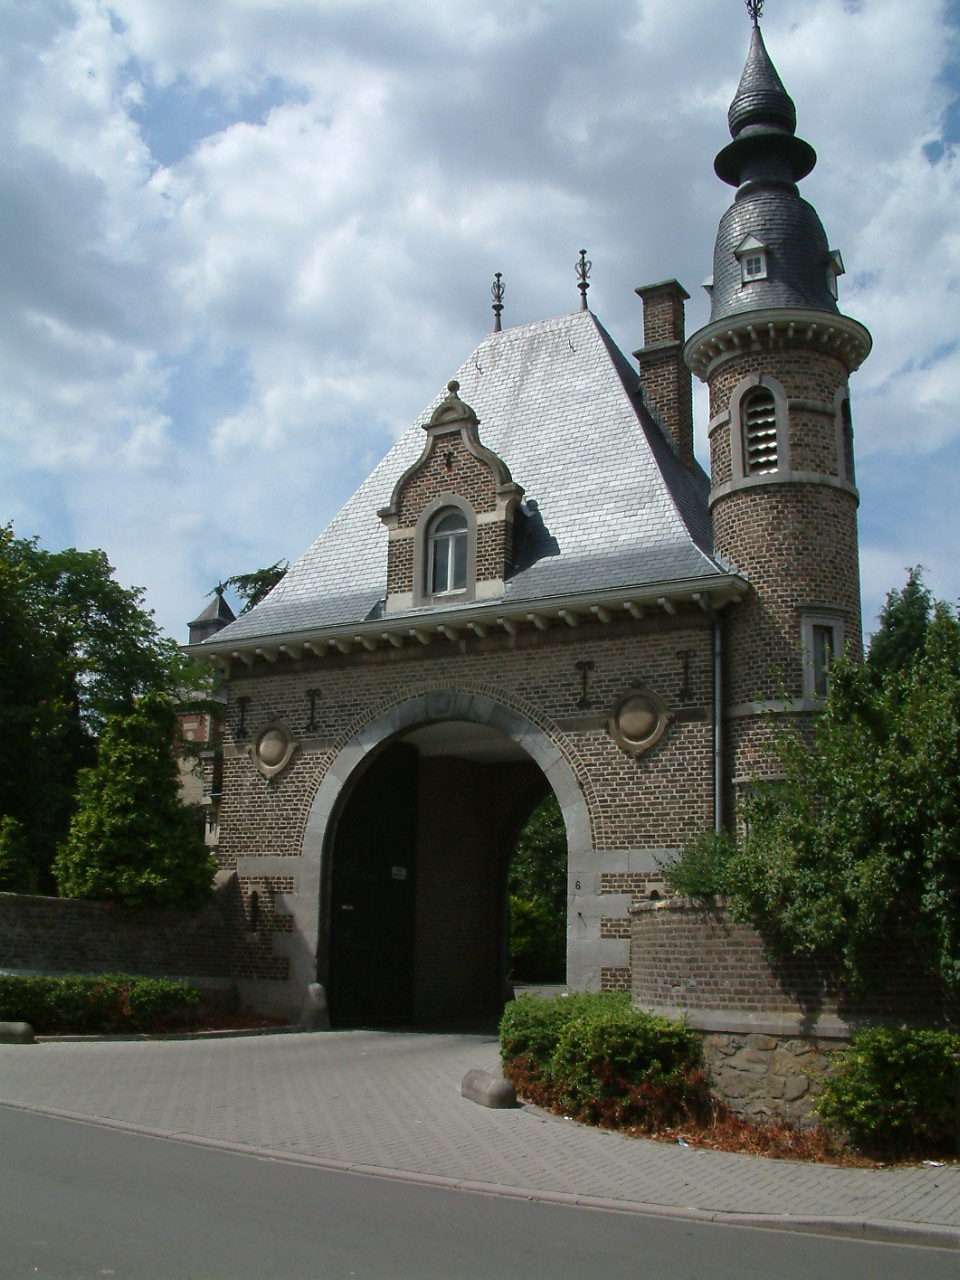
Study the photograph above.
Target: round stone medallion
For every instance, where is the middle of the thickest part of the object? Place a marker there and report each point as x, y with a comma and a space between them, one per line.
638, 721
272, 748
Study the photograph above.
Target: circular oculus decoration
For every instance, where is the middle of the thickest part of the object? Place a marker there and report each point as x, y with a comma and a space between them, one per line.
272, 748
638, 721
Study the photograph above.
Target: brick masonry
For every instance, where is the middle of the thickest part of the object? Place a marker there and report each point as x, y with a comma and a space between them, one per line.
636, 810
770, 1027
61, 935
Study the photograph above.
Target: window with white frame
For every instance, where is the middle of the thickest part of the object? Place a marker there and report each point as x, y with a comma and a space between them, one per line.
752, 256
447, 552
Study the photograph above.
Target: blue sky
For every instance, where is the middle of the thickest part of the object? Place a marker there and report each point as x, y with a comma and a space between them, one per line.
244, 243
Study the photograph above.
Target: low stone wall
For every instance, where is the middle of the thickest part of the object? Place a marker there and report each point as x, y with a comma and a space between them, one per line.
63, 935
770, 1027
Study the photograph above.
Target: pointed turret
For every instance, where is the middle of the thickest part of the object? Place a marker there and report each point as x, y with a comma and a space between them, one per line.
777, 354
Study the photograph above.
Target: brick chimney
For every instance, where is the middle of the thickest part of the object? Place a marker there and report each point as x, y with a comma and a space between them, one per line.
665, 378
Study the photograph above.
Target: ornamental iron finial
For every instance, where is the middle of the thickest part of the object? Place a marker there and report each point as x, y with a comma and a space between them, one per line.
497, 290
583, 277
755, 9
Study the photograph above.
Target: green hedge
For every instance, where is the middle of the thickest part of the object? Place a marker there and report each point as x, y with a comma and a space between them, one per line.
113, 1003
895, 1092
599, 1059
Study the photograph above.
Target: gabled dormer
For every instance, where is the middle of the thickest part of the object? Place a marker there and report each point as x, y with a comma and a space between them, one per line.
450, 517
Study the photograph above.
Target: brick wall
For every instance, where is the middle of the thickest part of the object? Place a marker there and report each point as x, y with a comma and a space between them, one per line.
690, 956
62, 935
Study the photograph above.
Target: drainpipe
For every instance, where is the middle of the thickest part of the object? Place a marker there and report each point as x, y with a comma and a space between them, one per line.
717, 727
703, 600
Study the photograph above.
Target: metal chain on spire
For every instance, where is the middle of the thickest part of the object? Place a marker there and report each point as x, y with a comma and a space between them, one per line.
497, 290
755, 9
583, 277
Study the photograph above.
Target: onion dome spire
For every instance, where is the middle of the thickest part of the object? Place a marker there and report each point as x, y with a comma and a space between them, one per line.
763, 123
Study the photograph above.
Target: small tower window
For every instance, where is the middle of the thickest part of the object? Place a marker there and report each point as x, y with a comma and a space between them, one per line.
846, 429
447, 552
752, 256
822, 643
758, 424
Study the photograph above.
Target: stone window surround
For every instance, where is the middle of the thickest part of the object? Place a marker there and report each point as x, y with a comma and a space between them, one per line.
844, 447
809, 619
738, 472
421, 551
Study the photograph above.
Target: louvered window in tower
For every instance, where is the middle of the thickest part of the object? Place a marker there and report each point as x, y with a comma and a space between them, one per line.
758, 421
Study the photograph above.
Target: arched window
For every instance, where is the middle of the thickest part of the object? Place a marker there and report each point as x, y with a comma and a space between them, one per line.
758, 427
447, 552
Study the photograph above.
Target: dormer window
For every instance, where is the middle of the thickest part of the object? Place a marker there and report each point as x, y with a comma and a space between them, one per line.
752, 256
447, 544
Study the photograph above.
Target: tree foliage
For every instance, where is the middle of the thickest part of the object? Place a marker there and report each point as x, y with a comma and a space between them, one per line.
856, 853
75, 648
538, 868
904, 619
131, 839
537, 885
253, 587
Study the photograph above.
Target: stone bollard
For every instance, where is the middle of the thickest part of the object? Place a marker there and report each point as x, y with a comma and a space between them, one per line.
489, 1088
16, 1033
314, 1015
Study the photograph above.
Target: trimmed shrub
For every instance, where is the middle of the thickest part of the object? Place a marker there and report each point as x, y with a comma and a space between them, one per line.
603, 1061
110, 1004
895, 1092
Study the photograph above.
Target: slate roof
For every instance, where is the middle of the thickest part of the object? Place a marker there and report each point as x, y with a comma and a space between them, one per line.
764, 161
607, 504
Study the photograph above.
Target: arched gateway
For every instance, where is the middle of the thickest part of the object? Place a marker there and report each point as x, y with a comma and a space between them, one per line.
412, 827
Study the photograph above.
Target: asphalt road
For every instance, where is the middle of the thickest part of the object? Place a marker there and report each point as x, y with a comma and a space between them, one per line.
80, 1200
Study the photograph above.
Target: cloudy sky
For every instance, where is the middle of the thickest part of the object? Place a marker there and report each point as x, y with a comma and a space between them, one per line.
243, 243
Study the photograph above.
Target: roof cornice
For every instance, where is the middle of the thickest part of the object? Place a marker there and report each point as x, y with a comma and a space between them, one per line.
451, 623
775, 327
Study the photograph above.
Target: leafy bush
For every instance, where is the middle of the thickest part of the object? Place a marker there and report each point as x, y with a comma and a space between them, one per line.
538, 940
895, 1092
603, 1061
703, 868
112, 1003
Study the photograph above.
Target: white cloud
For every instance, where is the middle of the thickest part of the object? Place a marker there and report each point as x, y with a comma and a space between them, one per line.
245, 243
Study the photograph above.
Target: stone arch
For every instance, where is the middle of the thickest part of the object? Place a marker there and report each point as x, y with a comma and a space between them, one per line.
425, 708
443, 704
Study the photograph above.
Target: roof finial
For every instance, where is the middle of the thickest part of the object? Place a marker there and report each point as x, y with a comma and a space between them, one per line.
497, 290
755, 9
583, 275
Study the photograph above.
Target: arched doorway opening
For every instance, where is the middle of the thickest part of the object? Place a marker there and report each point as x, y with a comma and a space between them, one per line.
414, 926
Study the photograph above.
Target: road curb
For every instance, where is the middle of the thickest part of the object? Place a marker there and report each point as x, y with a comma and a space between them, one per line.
878, 1231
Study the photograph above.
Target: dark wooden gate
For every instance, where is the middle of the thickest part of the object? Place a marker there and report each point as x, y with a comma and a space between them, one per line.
373, 896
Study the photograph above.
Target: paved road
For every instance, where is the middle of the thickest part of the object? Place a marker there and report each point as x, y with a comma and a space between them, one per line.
390, 1104
79, 1201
